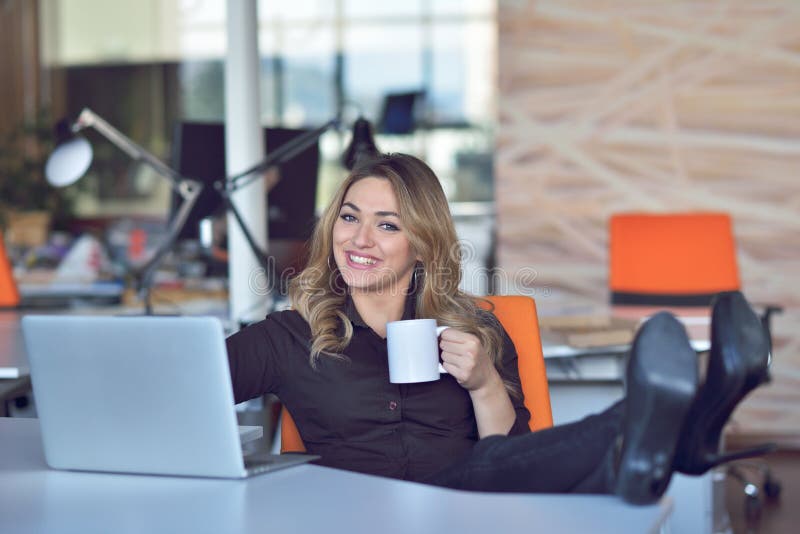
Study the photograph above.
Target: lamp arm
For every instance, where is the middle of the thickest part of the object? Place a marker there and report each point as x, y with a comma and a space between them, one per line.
89, 118
228, 186
147, 271
283, 153
260, 255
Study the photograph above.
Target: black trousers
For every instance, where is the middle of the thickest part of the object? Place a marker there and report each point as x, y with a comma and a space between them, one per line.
577, 457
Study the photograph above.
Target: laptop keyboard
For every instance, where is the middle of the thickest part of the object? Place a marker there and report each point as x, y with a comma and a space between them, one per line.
258, 464
261, 461
257, 460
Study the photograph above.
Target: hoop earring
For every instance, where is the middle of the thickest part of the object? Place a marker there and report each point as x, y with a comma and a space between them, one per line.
419, 272
331, 267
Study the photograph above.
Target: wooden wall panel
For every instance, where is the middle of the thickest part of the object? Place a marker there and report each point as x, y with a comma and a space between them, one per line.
19, 64
661, 106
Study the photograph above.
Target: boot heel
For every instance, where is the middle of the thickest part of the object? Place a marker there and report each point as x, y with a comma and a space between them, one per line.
738, 363
719, 459
661, 383
646, 469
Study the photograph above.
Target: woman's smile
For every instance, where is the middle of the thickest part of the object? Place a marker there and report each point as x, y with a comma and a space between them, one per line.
361, 261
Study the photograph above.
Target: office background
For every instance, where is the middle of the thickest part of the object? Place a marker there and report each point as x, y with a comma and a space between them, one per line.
559, 113
655, 106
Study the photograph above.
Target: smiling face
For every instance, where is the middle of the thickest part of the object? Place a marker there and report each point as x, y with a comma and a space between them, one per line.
370, 245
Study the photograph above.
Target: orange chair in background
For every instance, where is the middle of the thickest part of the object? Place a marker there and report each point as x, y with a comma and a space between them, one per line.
518, 316
674, 259
9, 294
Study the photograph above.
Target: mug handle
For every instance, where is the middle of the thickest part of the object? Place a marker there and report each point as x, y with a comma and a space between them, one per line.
439, 330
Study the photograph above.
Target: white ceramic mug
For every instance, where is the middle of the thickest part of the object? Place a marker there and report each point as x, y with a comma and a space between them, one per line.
414, 350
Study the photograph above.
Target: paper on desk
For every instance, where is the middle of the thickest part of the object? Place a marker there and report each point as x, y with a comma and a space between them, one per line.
565, 334
698, 328
588, 331
84, 262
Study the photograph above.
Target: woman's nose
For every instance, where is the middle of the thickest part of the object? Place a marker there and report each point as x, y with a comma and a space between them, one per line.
363, 237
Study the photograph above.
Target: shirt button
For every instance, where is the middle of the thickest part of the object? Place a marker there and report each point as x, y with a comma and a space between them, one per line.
392, 405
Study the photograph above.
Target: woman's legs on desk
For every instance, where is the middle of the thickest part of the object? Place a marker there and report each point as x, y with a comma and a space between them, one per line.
633, 447
577, 457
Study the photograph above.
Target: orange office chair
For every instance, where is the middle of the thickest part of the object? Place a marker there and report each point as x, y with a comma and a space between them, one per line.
673, 259
676, 259
9, 295
518, 316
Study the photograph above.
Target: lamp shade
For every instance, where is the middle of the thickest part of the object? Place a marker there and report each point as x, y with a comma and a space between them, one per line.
68, 162
362, 145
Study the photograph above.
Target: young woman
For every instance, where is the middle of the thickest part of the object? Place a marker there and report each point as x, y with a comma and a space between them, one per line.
385, 250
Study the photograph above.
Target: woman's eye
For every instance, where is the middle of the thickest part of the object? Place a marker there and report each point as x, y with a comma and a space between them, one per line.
348, 217
389, 226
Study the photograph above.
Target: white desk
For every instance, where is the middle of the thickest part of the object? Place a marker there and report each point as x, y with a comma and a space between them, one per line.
308, 498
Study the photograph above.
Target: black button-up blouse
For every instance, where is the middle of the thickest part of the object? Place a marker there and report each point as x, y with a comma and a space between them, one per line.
347, 411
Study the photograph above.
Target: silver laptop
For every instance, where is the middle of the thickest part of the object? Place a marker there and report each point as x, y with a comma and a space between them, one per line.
148, 395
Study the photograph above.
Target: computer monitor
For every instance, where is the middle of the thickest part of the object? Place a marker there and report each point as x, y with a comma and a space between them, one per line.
199, 153
400, 112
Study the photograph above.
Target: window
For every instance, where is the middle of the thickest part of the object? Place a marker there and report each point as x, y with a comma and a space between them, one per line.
164, 60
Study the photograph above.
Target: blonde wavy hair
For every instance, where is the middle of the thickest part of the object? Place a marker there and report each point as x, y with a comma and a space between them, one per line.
318, 293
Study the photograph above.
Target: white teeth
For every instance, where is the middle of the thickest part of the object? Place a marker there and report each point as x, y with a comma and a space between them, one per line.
361, 260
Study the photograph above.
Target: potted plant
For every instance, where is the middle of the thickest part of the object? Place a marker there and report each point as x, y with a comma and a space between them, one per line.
28, 204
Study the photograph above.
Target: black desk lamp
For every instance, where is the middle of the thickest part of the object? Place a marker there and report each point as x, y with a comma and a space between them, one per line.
362, 146
71, 159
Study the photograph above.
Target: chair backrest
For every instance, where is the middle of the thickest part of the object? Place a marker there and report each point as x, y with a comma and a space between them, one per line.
671, 259
518, 316
9, 294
